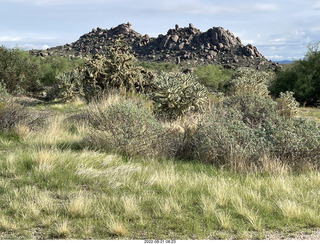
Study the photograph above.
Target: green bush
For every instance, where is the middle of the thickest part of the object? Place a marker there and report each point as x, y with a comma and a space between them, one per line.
296, 141
214, 76
302, 78
18, 71
23, 73
126, 126
52, 66
241, 131
177, 93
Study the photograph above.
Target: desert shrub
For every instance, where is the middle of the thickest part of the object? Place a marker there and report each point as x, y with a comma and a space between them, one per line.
52, 66
242, 130
214, 76
302, 78
177, 93
255, 109
116, 70
222, 138
287, 104
296, 141
249, 81
125, 126
18, 71
13, 115
68, 86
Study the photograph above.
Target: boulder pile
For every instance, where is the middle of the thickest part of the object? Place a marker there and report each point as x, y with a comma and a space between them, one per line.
188, 44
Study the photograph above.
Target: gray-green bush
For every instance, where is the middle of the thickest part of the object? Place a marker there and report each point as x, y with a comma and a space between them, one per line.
245, 129
126, 127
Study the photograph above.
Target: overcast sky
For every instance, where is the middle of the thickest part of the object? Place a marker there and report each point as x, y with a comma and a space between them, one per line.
280, 29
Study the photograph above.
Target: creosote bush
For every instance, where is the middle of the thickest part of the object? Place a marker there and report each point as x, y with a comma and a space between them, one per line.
213, 76
302, 77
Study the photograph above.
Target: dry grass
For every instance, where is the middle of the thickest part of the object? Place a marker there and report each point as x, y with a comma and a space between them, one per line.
224, 219
290, 209
79, 205
6, 225
63, 230
116, 227
209, 205
131, 206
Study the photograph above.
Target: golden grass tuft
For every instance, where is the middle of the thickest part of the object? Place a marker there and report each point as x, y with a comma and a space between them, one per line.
6, 225
131, 206
79, 205
290, 209
274, 166
62, 229
116, 227
224, 220
247, 214
44, 160
22, 130
209, 205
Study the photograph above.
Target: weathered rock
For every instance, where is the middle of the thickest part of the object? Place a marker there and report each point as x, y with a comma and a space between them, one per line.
216, 45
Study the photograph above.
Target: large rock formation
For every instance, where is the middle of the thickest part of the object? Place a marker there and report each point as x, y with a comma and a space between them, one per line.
188, 44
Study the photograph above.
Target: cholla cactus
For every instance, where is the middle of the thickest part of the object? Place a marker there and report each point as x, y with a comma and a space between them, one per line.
287, 104
69, 85
116, 70
251, 81
177, 93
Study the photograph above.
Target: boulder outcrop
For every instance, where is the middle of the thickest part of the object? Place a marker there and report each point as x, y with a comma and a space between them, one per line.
188, 44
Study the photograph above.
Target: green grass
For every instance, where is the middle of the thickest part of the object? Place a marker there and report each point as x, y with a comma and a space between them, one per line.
49, 191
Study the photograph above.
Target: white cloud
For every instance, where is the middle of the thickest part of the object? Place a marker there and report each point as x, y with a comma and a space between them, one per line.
29, 46
265, 7
10, 38
275, 57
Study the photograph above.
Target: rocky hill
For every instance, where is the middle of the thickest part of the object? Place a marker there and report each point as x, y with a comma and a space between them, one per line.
188, 44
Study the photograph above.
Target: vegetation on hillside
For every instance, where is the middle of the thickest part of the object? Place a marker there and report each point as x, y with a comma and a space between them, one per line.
152, 155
